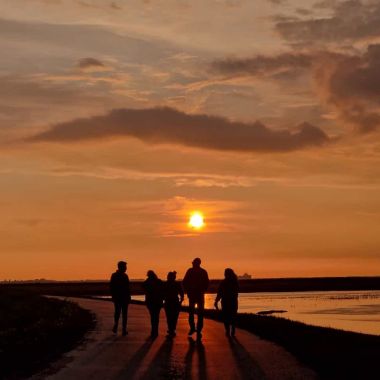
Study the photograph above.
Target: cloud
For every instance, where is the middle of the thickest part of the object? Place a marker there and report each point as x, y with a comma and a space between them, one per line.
349, 83
103, 6
83, 40
352, 85
277, 2
89, 63
263, 65
169, 126
350, 20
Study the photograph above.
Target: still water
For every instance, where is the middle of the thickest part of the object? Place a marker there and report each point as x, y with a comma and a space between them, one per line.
348, 310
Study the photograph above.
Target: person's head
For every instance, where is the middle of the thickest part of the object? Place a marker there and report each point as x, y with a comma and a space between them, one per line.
197, 262
122, 266
150, 274
229, 274
172, 276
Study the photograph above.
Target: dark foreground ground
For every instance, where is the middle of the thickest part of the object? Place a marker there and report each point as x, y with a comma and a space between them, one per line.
35, 330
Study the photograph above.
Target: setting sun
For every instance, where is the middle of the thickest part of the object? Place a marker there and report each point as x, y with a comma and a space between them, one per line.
196, 220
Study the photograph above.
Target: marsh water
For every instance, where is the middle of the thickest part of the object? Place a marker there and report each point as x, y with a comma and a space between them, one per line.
348, 310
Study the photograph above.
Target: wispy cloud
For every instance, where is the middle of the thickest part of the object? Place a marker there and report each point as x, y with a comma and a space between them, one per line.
264, 65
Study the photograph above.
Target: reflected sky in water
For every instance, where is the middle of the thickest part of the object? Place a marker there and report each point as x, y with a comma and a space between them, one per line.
348, 310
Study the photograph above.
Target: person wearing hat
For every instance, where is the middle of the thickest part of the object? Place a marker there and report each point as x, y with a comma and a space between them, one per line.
121, 295
195, 284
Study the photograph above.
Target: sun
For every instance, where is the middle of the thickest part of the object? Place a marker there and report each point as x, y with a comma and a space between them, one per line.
196, 220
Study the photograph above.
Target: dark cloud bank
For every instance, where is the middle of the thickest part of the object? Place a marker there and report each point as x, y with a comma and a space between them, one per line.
352, 85
350, 20
166, 125
89, 62
263, 65
349, 83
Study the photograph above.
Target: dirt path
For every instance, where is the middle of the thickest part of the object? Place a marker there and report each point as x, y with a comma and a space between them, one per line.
106, 356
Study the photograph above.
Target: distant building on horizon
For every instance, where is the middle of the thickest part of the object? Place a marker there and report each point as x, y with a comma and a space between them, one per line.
245, 276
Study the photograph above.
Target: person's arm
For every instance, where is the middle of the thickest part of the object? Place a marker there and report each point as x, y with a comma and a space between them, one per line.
128, 289
206, 281
180, 292
218, 297
112, 286
161, 289
185, 281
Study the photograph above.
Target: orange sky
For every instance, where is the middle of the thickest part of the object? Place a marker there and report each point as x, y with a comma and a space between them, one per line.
117, 119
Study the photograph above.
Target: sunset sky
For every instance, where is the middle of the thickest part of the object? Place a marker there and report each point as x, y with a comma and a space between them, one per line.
119, 118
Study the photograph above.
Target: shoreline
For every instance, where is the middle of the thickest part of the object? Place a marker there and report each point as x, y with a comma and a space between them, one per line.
98, 288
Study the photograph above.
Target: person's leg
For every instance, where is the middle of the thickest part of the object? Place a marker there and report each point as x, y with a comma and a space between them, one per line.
191, 316
167, 316
167, 313
171, 316
117, 306
151, 313
175, 317
201, 308
156, 319
227, 320
233, 322
124, 310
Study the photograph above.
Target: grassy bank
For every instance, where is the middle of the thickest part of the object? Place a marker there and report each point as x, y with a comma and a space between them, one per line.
35, 330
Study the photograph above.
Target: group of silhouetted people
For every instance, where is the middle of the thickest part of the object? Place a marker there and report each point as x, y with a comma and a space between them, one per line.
170, 295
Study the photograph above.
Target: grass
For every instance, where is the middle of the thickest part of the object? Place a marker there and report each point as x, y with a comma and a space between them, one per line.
35, 330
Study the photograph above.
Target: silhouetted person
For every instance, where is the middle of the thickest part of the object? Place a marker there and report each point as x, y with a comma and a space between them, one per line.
153, 288
228, 293
195, 284
173, 297
121, 295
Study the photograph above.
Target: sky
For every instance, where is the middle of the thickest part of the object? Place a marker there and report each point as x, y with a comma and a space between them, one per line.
120, 118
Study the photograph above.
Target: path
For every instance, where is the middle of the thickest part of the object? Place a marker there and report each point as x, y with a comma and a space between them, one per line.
106, 356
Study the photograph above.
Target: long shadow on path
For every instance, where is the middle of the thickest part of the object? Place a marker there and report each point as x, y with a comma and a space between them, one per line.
247, 366
199, 348
163, 365
135, 361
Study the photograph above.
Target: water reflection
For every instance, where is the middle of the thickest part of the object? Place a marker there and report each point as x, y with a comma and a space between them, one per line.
349, 310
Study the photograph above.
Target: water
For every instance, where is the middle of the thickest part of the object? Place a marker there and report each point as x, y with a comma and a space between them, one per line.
348, 310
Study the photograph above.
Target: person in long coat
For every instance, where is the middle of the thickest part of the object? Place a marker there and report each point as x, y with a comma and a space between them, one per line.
228, 295
153, 288
121, 296
173, 297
